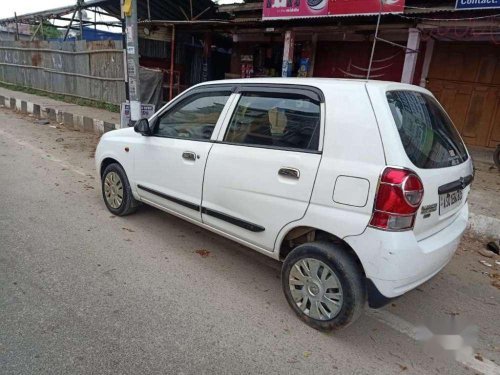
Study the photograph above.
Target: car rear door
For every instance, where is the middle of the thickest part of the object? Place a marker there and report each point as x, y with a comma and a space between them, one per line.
261, 171
418, 134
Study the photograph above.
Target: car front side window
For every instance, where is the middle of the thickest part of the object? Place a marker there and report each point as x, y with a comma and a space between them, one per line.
193, 118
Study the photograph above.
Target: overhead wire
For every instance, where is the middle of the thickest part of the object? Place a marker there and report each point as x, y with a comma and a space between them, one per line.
447, 19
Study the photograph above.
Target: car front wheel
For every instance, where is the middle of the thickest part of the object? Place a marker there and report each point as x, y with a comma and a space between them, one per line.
324, 285
116, 191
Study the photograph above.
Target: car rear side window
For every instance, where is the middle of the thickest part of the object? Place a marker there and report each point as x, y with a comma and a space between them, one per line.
277, 120
427, 133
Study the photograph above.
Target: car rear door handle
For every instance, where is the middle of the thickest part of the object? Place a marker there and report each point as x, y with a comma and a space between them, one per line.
289, 172
189, 155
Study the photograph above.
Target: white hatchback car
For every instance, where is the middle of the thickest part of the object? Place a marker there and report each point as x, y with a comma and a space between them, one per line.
360, 187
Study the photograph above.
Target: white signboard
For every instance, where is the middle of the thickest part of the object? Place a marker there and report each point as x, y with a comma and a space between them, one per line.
147, 110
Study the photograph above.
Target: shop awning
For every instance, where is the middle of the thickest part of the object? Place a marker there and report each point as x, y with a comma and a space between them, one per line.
146, 9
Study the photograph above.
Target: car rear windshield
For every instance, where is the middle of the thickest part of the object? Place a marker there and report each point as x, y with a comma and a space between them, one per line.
427, 133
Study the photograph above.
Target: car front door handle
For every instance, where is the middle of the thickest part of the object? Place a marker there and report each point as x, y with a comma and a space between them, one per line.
189, 155
289, 172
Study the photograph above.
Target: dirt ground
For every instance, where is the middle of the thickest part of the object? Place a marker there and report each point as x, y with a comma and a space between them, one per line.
113, 280
68, 139
485, 194
480, 269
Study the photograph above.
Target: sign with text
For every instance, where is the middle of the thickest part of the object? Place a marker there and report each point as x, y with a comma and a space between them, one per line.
283, 9
477, 4
294, 8
147, 110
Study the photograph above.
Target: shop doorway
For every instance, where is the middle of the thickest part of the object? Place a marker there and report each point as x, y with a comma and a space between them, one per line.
351, 60
465, 77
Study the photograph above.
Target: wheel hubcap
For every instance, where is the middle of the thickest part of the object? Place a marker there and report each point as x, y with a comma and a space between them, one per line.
113, 190
315, 289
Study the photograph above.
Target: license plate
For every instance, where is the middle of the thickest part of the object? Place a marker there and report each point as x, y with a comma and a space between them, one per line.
449, 201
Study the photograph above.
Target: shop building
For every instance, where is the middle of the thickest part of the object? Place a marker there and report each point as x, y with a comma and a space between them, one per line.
453, 52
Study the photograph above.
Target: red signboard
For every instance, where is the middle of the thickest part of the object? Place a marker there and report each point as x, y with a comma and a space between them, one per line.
281, 9
349, 7
295, 8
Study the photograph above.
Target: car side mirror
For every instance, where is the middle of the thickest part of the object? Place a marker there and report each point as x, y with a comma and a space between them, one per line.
142, 127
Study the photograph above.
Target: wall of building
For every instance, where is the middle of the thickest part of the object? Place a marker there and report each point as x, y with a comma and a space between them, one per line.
465, 76
351, 60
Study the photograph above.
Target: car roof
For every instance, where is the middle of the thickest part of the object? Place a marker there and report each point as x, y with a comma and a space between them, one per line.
321, 83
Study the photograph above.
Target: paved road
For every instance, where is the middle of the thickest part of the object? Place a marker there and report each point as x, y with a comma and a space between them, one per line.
85, 292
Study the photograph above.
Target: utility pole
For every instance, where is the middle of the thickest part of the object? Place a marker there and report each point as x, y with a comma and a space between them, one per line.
132, 43
286, 70
79, 4
69, 26
17, 27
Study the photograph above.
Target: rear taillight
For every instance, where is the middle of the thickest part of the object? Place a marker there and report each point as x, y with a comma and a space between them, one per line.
398, 199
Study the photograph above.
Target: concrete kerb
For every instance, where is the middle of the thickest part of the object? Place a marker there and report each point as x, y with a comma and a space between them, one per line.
484, 226
78, 122
67, 119
37, 111
24, 107
88, 124
51, 114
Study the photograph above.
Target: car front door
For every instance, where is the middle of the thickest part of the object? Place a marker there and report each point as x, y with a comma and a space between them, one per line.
170, 164
261, 171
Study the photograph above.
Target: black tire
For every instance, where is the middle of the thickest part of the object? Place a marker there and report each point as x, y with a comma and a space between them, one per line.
128, 204
348, 273
496, 157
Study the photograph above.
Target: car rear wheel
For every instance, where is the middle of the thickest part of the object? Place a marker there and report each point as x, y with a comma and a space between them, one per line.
116, 191
324, 285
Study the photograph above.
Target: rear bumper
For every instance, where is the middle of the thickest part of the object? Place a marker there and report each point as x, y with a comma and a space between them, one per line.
396, 262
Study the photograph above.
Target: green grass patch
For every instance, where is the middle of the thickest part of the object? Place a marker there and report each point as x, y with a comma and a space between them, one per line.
63, 98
